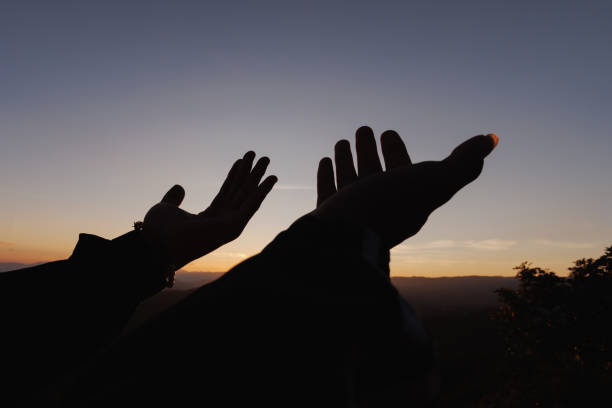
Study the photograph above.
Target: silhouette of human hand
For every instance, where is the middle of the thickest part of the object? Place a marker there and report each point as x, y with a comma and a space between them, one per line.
185, 236
396, 202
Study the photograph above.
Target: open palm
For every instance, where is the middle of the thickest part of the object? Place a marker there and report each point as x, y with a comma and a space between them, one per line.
396, 202
184, 236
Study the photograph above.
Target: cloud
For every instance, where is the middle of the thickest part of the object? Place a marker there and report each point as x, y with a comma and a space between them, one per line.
5, 244
563, 244
238, 255
440, 244
293, 187
289, 187
493, 244
424, 259
490, 244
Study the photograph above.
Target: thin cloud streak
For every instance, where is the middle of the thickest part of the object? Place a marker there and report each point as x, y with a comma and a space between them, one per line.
238, 255
490, 244
440, 244
289, 187
424, 259
493, 244
563, 244
293, 187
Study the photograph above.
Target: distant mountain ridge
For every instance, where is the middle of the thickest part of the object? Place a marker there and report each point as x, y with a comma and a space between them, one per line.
11, 266
188, 280
428, 296
435, 296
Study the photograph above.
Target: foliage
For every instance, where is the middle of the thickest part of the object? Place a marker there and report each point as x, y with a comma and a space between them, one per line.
558, 333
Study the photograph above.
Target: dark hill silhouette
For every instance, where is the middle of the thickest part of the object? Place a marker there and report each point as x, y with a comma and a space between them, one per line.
436, 296
11, 266
455, 310
428, 296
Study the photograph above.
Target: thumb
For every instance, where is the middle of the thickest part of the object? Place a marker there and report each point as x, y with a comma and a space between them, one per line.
174, 196
477, 147
466, 160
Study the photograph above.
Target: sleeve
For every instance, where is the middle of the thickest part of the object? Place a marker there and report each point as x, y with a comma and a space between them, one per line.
56, 315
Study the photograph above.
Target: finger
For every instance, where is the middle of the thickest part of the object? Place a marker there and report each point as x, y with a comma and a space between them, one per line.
242, 173
223, 193
367, 154
345, 169
466, 161
252, 181
476, 147
393, 150
258, 171
174, 196
325, 180
252, 204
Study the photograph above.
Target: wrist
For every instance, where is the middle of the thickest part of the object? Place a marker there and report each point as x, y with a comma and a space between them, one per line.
159, 254
373, 246
337, 238
147, 269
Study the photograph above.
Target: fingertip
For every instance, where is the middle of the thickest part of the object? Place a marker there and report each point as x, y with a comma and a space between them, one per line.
477, 147
250, 206
388, 135
250, 155
269, 181
489, 141
368, 161
342, 144
325, 161
495, 139
364, 134
394, 150
364, 130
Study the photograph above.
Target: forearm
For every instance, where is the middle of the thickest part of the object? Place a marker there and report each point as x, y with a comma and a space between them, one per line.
327, 281
312, 307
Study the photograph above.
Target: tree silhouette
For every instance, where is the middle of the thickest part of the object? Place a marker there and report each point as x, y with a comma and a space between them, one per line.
558, 332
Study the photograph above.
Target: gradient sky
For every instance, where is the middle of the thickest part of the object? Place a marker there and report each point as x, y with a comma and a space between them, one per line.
104, 105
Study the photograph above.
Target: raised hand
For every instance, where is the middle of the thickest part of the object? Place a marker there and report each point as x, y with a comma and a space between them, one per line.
184, 236
396, 202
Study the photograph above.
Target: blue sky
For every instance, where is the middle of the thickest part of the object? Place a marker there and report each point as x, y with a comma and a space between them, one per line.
104, 105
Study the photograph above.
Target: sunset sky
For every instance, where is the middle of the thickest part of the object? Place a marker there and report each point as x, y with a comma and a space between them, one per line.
105, 105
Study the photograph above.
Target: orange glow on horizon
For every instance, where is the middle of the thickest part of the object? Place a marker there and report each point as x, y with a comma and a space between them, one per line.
420, 262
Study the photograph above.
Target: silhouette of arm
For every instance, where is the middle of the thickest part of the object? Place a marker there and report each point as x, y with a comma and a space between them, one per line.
313, 315
395, 204
313, 320
54, 316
